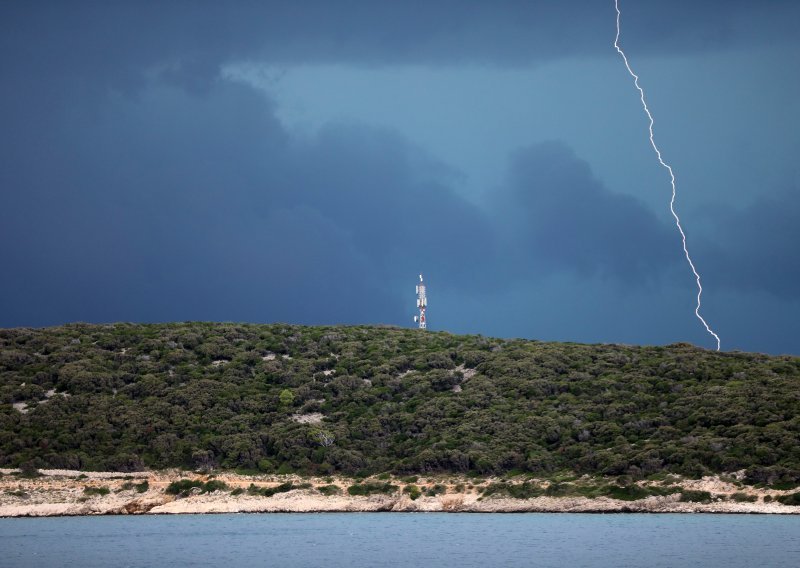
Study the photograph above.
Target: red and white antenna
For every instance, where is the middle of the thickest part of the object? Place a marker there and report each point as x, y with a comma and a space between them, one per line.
422, 303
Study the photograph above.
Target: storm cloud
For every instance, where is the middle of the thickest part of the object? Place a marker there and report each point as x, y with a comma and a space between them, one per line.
140, 183
557, 213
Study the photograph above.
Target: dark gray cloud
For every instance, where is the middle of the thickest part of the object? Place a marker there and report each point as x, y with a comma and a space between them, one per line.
177, 206
392, 200
136, 184
755, 248
114, 44
174, 205
558, 217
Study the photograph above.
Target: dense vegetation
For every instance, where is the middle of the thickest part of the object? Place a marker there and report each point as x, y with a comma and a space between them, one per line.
357, 400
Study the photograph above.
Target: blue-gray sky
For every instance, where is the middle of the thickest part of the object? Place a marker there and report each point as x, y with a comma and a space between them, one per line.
303, 161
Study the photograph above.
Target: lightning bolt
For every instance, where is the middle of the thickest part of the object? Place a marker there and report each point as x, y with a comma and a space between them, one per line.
671, 177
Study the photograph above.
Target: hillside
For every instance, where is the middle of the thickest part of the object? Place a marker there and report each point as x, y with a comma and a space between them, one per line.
364, 400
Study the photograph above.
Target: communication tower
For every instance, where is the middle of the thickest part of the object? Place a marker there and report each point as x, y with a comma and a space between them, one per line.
422, 303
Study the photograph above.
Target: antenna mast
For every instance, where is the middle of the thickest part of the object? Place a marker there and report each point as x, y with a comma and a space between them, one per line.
422, 303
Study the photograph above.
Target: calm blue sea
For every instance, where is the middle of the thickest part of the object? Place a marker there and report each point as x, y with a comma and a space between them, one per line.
403, 539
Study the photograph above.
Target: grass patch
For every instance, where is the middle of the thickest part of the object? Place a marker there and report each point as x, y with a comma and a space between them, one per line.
88, 490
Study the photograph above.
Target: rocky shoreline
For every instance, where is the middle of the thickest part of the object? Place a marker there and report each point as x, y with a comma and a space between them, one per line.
68, 493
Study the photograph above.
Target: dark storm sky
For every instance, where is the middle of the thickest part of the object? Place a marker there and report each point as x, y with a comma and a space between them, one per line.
303, 161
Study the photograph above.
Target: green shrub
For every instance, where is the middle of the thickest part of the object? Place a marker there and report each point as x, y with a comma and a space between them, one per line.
525, 490
214, 485
500, 488
28, 471
785, 485
790, 499
286, 397
691, 496
89, 490
435, 490
139, 487
372, 489
664, 489
265, 465
237, 491
183, 486
644, 412
744, 498
558, 489
329, 490
270, 491
282, 488
631, 492
413, 492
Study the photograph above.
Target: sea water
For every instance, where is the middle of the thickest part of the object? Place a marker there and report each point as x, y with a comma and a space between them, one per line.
403, 539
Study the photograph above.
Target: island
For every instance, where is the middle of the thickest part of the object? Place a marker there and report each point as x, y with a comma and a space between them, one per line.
220, 417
